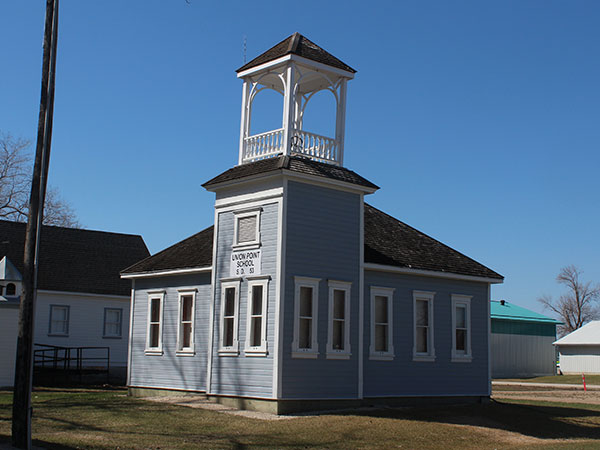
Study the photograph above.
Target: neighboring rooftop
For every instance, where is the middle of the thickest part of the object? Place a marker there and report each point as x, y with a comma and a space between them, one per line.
296, 164
387, 241
193, 252
76, 260
589, 334
297, 44
501, 309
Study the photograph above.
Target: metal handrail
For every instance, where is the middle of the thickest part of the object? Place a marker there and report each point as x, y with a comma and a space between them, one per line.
58, 357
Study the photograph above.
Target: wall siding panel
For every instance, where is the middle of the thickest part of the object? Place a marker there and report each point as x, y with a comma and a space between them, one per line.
9, 330
520, 355
170, 370
323, 241
404, 377
579, 359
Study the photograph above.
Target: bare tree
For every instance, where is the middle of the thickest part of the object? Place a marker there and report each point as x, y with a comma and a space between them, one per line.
578, 305
15, 185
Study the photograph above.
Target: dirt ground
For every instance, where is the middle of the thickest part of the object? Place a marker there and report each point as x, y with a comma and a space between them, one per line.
547, 394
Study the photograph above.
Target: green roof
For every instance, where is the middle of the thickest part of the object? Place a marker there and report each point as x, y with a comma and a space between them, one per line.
509, 311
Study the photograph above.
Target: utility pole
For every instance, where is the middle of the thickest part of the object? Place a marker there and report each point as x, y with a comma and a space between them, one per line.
21, 415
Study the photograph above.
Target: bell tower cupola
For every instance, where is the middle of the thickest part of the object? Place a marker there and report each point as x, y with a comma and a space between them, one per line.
297, 69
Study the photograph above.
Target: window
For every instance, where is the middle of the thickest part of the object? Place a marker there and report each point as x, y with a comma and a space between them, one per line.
247, 229
461, 328
423, 326
229, 318
155, 321
381, 324
113, 318
11, 289
59, 320
338, 342
185, 331
306, 294
256, 327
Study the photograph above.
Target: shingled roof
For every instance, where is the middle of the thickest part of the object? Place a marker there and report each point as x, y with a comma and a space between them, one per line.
297, 44
76, 260
387, 241
296, 164
391, 242
193, 252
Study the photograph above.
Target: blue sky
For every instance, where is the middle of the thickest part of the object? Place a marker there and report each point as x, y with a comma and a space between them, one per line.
480, 121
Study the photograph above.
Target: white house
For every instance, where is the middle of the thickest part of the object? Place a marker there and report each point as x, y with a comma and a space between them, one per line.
81, 299
579, 351
302, 295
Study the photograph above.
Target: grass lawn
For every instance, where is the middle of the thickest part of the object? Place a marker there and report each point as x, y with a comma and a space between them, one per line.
87, 418
563, 379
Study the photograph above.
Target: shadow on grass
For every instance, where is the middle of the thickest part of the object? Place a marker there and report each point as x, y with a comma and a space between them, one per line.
543, 422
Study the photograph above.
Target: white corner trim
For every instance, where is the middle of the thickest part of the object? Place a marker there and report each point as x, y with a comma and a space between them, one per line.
361, 296
430, 273
162, 273
129, 344
280, 295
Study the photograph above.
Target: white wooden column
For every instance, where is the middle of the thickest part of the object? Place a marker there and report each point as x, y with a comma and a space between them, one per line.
244, 125
340, 122
288, 109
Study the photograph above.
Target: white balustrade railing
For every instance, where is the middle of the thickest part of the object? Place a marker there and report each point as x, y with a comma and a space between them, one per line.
314, 146
263, 145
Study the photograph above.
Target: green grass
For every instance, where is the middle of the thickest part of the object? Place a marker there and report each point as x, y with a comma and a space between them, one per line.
103, 419
562, 379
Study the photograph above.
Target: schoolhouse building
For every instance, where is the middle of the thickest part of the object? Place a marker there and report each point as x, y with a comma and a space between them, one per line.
302, 295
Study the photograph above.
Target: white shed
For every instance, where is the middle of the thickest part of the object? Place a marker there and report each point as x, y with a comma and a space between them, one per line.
579, 351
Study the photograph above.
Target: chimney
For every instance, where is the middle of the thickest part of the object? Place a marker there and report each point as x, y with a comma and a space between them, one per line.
502, 302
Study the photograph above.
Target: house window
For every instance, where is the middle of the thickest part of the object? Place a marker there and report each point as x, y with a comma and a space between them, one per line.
155, 323
338, 342
423, 349
11, 289
229, 318
461, 328
306, 294
185, 331
247, 229
381, 324
113, 319
256, 327
59, 320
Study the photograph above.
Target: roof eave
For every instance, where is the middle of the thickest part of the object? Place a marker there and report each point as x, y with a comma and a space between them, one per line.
166, 272
296, 58
431, 273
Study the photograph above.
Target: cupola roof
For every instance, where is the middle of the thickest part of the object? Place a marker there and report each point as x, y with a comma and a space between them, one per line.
297, 44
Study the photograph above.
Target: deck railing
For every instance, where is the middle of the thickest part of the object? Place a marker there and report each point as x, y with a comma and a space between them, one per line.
271, 143
72, 359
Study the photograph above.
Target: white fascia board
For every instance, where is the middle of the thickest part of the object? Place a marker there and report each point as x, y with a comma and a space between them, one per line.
264, 66
430, 273
245, 198
162, 273
260, 176
327, 182
317, 66
84, 294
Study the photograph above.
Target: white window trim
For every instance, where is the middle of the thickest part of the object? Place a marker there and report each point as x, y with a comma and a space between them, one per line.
113, 336
312, 352
234, 349
389, 293
459, 299
248, 245
191, 350
68, 319
346, 353
260, 350
155, 350
430, 355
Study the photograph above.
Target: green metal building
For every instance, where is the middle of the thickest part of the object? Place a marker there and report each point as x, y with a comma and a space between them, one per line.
521, 342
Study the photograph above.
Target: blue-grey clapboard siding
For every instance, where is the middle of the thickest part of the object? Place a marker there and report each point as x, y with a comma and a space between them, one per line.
169, 370
245, 375
404, 377
323, 241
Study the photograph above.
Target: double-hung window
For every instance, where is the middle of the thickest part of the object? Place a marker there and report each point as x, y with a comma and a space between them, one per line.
306, 294
256, 326
113, 322
423, 349
246, 229
185, 331
59, 320
156, 302
338, 338
230, 305
382, 347
461, 328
